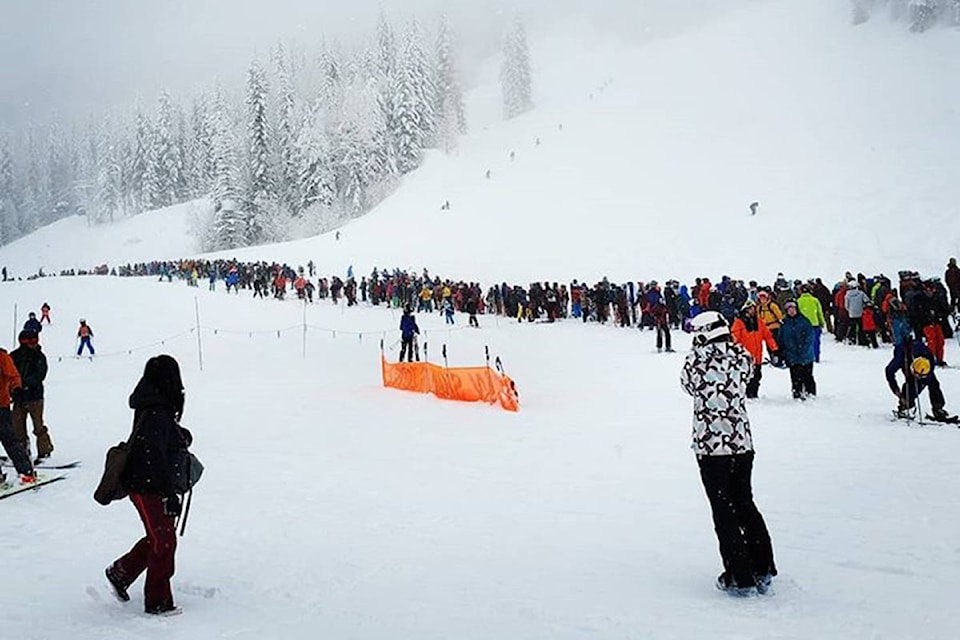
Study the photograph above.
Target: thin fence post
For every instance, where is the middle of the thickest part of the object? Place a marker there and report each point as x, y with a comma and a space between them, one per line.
304, 354
196, 306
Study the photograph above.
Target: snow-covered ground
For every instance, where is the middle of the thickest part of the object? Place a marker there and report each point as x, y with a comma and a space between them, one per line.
846, 136
333, 507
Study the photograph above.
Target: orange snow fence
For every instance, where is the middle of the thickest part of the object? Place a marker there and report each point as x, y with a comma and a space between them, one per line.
466, 384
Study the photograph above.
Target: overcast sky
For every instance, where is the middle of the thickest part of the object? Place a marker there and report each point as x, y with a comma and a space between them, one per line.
83, 56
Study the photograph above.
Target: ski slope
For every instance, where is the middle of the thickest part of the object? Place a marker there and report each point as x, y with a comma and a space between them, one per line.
332, 506
845, 136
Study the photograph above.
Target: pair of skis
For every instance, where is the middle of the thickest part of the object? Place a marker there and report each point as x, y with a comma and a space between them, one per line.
12, 487
43, 464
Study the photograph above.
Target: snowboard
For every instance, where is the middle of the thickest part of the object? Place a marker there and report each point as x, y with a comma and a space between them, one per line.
13, 486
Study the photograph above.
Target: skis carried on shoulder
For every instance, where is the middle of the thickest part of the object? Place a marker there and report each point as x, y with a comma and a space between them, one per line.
12, 487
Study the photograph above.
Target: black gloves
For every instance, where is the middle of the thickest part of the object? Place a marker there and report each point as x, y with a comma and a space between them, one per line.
17, 395
171, 506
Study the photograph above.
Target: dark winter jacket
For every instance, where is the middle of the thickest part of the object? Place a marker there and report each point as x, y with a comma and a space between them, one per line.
796, 338
32, 365
32, 324
156, 445
408, 327
908, 350
952, 278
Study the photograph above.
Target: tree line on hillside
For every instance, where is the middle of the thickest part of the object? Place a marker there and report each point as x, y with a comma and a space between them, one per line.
921, 15
306, 144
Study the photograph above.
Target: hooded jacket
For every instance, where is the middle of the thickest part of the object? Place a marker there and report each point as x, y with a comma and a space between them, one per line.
156, 443
797, 340
716, 375
9, 378
752, 334
32, 365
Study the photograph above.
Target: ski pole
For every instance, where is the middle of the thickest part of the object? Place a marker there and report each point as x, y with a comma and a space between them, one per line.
186, 513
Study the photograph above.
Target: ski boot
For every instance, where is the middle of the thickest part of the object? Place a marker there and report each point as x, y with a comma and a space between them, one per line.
726, 584
119, 590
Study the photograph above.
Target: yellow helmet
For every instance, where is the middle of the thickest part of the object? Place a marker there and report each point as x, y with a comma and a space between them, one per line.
920, 366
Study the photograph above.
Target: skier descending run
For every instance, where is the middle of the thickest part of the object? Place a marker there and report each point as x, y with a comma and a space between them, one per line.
716, 373
85, 333
917, 364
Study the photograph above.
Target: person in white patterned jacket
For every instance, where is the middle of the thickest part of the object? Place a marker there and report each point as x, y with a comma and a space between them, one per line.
715, 373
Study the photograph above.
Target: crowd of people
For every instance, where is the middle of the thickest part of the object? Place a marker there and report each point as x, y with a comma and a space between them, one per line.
737, 327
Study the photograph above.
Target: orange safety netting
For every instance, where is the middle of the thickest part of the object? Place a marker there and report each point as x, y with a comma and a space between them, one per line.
467, 384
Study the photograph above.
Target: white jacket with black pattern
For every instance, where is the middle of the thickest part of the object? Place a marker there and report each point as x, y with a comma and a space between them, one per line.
716, 375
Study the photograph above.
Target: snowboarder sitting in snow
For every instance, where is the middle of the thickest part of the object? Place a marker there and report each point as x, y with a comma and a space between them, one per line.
408, 331
917, 364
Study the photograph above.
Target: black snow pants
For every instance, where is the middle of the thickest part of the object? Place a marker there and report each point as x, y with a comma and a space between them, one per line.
12, 445
744, 541
801, 379
753, 387
406, 349
663, 337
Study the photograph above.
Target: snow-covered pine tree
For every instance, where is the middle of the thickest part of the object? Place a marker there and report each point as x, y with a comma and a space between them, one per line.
386, 47
315, 178
923, 15
448, 108
9, 202
411, 125
168, 155
356, 146
384, 74
425, 82
32, 189
260, 183
515, 76
202, 133
230, 222
59, 174
109, 196
136, 168
287, 173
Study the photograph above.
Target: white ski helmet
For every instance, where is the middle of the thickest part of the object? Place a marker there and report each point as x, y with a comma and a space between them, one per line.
708, 326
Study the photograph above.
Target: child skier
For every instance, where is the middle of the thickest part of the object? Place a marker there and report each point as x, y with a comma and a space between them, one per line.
85, 333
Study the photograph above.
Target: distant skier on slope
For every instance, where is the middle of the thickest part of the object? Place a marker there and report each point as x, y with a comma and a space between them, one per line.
85, 333
716, 373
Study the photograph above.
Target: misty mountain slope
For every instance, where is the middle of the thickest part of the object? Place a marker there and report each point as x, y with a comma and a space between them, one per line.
73, 243
845, 136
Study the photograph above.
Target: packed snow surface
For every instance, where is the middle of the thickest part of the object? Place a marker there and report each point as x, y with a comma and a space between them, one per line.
845, 136
333, 506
